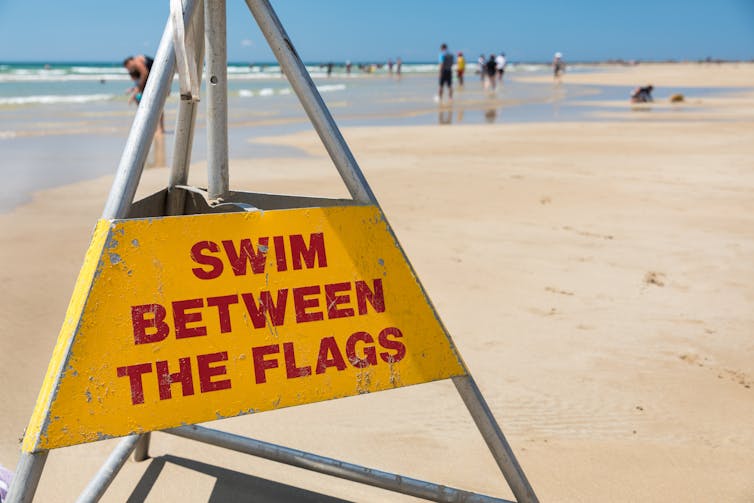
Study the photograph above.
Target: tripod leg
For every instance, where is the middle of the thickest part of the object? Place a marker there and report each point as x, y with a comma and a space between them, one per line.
495, 439
184, 130
141, 449
28, 472
312, 102
217, 99
145, 124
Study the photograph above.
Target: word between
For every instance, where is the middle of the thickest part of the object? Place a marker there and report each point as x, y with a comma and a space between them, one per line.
309, 303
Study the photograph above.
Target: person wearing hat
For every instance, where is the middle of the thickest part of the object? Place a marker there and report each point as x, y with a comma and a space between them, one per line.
558, 66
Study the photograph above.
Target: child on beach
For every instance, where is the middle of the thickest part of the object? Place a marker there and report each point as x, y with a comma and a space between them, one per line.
460, 68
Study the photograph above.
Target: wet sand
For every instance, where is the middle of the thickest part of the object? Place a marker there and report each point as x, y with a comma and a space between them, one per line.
595, 276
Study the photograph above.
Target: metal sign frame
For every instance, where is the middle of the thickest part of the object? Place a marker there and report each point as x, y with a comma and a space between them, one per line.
205, 22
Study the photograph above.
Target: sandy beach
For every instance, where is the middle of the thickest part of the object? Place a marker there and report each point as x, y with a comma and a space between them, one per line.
596, 276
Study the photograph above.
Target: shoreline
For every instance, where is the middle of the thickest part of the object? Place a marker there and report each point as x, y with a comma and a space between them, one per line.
584, 96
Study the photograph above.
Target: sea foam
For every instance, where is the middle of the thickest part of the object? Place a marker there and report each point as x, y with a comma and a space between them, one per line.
55, 98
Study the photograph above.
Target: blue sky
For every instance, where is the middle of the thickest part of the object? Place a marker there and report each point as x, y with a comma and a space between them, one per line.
336, 30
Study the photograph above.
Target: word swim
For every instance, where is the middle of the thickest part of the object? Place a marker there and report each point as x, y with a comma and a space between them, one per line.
242, 256
309, 303
360, 350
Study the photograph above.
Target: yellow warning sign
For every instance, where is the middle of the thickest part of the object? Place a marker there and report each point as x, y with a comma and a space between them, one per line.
181, 320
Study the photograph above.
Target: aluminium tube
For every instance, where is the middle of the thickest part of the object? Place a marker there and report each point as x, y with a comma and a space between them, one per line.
28, 471
312, 102
495, 439
186, 125
141, 449
104, 477
329, 466
218, 186
145, 124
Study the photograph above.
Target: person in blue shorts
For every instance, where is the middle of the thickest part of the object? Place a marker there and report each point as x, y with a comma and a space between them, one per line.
446, 71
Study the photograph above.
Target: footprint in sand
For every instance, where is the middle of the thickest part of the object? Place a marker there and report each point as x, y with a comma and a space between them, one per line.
587, 233
654, 278
734, 375
558, 290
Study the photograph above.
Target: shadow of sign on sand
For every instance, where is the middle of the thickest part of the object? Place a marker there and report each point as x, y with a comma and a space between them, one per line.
229, 485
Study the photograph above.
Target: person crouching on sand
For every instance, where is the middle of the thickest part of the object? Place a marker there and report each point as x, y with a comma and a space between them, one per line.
138, 68
642, 94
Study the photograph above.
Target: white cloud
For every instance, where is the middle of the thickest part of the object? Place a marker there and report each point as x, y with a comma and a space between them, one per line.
247, 43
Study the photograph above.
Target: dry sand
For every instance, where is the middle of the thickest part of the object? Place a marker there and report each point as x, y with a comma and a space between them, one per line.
597, 278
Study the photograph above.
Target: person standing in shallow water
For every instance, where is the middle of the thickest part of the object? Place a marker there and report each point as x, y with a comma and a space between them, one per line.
500, 62
138, 68
460, 68
491, 71
446, 71
558, 67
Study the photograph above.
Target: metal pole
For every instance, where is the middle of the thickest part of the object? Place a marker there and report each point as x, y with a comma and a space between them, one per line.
495, 439
145, 124
184, 130
141, 450
28, 472
329, 466
101, 481
31, 464
217, 99
311, 100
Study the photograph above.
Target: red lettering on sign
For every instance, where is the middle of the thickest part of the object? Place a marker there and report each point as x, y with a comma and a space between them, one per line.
206, 372
181, 318
315, 250
183, 376
215, 264
397, 346
328, 346
375, 297
370, 354
291, 370
302, 304
134, 373
281, 259
266, 305
243, 254
140, 323
260, 364
333, 300
360, 349
223, 311
246, 254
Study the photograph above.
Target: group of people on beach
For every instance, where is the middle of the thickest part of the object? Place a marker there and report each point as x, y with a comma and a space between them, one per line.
491, 69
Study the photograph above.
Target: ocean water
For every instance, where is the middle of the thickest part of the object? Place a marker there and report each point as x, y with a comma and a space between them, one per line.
61, 123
